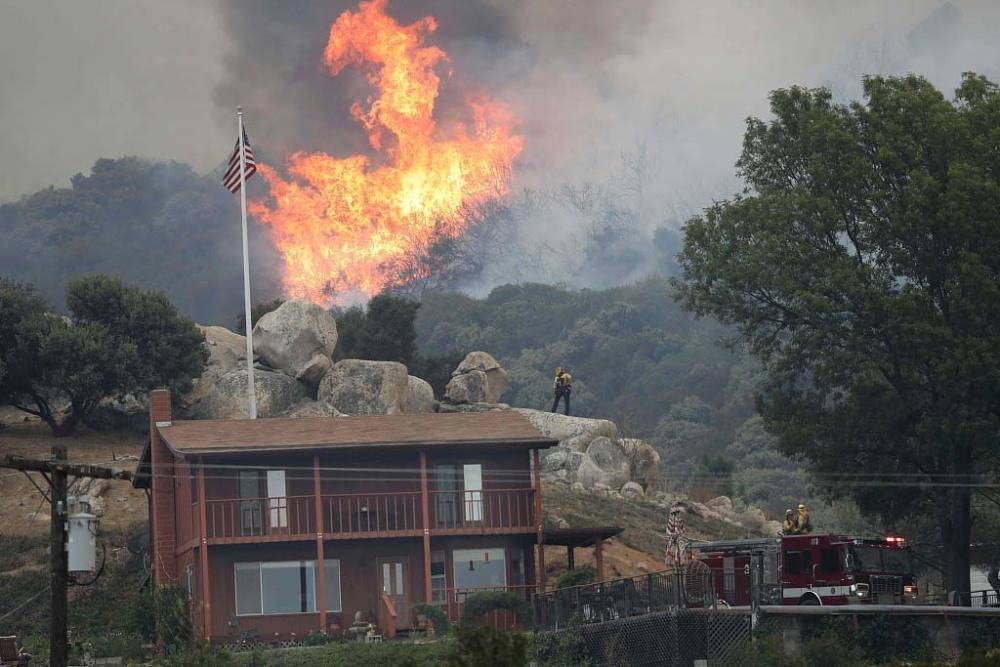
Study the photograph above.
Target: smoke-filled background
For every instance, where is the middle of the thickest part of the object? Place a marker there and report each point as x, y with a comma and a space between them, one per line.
631, 112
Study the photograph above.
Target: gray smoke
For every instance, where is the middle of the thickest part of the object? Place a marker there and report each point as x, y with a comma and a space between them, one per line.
595, 84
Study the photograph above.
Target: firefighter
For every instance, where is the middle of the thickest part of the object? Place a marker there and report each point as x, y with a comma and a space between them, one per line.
789, 527
563, 387
802, 525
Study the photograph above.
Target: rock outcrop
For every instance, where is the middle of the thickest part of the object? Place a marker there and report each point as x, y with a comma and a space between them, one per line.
489, 388
419, 397
573, 432
360, 387
225, 396
604, 463
297, 339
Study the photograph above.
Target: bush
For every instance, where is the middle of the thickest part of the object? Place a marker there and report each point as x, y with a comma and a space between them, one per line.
565, 648
576, 577
351, 654
436, 616
478, 604
478, 646
200, 655
127, 646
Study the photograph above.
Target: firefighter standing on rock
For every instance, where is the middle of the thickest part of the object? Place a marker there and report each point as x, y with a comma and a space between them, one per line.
563, 386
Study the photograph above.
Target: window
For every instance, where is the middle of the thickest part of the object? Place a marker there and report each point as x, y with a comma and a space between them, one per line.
479, 568
331, 568
798, 562
251, 505
277, 502
517, 566
284, 587
472, 474
829, 560
439, 578
446, 498
189, 581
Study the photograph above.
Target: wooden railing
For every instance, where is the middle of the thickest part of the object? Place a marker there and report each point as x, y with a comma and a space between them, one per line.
260, 517
387, 617
373, 513
493, 509
367, 514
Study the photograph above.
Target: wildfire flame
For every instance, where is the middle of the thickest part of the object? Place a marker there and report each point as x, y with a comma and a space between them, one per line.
340, 222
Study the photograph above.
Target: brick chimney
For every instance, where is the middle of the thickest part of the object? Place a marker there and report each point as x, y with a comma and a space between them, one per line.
161, 508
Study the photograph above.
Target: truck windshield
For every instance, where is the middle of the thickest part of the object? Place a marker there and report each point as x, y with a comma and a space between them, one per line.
875, 559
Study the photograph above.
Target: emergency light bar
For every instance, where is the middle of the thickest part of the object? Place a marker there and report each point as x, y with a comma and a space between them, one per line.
895, 539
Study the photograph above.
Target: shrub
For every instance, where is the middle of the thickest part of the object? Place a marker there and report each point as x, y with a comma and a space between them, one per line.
576, 577
478, 604
478, 646
563, 648
436, 616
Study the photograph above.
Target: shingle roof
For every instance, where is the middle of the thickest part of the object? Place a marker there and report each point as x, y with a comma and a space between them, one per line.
208, 436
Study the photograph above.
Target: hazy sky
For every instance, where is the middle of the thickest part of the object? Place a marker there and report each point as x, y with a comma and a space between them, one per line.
84, 79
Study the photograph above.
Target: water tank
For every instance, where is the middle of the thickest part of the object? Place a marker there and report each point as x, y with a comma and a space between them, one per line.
81, 542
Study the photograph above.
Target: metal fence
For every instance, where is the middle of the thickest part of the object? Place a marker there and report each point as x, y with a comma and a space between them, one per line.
675, 638
623, 598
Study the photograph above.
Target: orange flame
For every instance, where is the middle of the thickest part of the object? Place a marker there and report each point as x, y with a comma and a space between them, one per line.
340, 222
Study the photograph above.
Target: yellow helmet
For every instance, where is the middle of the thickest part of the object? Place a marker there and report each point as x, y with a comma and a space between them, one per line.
558, 370
802, 507
787, 512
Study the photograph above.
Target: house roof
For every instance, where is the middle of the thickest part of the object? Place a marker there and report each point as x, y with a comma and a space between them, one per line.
502, 427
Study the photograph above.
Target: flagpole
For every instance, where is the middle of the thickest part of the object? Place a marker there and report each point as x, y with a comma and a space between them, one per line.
251, 392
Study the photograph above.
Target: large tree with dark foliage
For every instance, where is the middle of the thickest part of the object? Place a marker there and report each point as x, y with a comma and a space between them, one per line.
862, 265
119, 339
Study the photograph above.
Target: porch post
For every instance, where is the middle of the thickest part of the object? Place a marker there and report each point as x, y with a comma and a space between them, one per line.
425, 503
570, 563
536, 485
206, 593
320, 568
599, 558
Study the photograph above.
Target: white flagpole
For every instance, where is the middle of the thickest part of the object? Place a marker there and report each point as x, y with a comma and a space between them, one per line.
251, 393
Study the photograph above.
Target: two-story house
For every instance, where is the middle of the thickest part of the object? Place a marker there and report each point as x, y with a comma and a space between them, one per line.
284, 527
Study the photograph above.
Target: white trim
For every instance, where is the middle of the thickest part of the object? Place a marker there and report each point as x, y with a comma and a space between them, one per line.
819, 591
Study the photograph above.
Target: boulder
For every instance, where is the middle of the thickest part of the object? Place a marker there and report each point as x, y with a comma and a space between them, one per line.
643, 457
310, 408
593, 474
467, 388
496, 376
297, 339
471, 407
720, 504
360, 387
573, 432
225, 396
632, 490
226, 350
419, 397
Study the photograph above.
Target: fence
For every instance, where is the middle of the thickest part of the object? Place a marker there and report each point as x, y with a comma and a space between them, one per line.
675, 638
623, 598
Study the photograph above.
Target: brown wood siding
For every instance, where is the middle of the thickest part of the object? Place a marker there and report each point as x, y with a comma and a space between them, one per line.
359, 578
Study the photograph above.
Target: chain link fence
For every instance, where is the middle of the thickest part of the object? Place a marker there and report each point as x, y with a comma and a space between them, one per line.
676, 638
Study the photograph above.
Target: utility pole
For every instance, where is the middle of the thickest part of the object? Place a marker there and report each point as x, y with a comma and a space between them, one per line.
57, 472
58, 565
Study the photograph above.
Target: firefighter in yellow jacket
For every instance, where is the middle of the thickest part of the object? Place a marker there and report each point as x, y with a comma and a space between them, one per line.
802, 523
789, 526
563, 387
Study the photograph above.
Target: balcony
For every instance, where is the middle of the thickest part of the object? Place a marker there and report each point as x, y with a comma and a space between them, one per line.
366, 515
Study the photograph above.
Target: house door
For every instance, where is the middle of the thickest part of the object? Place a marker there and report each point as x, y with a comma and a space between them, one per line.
393, 583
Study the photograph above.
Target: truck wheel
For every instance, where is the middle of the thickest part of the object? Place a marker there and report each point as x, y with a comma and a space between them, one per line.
808, 599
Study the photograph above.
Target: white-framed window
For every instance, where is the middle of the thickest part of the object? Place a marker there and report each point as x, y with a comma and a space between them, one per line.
472, 477
479, 568
284, 587
189, 581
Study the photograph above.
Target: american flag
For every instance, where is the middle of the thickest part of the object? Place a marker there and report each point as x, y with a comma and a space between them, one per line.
232, 178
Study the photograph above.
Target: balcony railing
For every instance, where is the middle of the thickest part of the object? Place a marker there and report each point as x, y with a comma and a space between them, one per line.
502, 619
481, 510
373, 513
367, 514
260, 517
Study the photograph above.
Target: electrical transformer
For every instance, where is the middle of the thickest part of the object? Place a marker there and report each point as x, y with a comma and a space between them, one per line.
81, 542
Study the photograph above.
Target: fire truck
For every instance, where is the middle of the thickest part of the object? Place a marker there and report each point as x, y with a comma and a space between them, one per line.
813, 569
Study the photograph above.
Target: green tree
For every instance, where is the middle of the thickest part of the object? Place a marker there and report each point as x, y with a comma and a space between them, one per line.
385, 331
118, 340
861, 266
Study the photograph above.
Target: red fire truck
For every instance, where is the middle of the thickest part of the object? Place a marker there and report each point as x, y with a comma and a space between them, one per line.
810, 569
